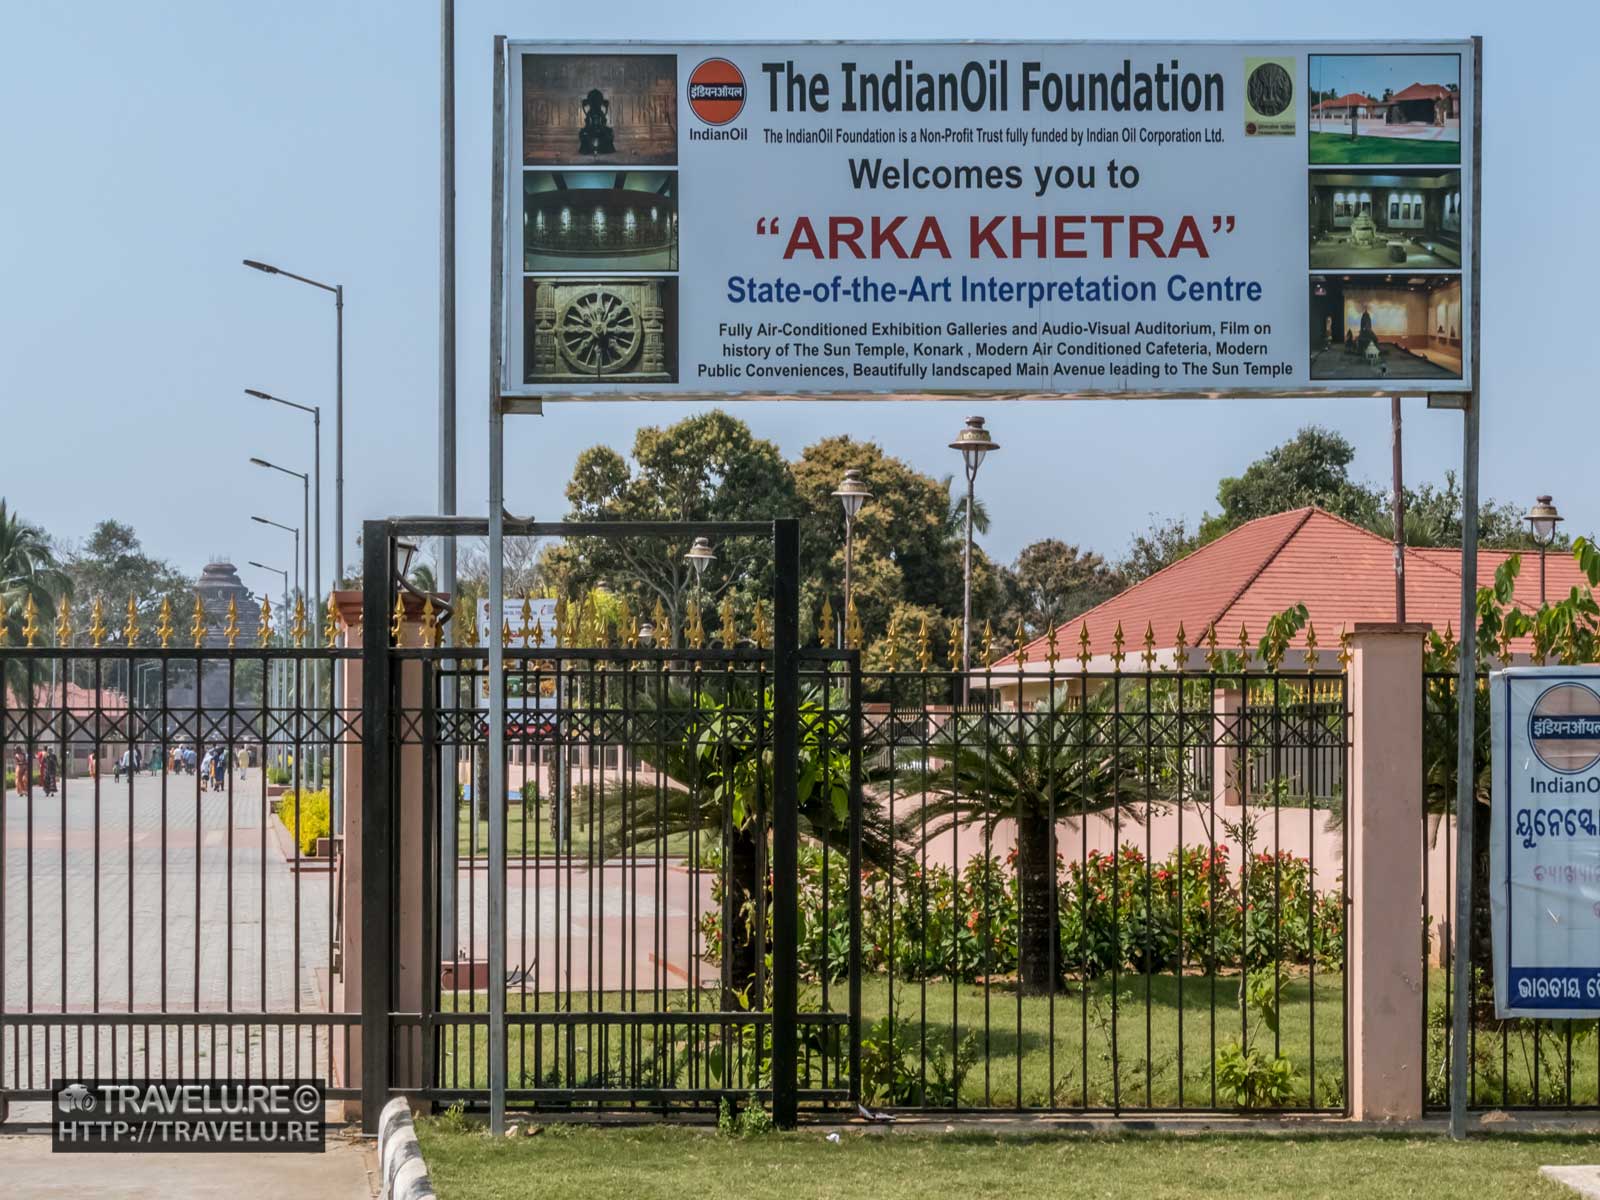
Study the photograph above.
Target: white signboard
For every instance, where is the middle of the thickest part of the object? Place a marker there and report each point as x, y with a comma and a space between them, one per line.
1025, 219
529, 624
1545, 848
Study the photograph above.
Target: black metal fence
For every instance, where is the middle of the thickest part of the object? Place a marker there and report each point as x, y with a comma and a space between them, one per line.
1515, 1064
169, 875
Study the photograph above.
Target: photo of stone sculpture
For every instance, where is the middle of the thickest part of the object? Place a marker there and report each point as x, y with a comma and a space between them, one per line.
600, 220
1384, 221
1386, 327
1384, 108
600, 109
601, 329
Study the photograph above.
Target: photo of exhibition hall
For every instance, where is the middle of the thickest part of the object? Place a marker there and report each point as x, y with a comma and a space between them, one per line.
1370, 220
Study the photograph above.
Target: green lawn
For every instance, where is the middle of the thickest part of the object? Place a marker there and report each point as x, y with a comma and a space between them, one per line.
1331, 148
670, 1164
1022, 1061
534, 840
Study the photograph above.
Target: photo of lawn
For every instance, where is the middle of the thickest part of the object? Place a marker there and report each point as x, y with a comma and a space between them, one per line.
1337, 149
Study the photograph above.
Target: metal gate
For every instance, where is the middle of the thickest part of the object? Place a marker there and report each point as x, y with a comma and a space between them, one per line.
660, 786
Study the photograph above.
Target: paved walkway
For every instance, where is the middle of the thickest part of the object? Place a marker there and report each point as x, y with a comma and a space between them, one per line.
158, 898
348, 1171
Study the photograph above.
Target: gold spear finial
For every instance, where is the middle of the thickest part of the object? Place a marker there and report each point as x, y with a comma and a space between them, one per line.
697, 627
264, 623
1213, 654
1052, 651
30, 622
297, 629
664, 631
924, 647
987, 644
505, 632
852, 625
1311, 646
1084, 657
197, 622
1022, 645
231, 629
730, 631
526, 628
1277, 645
164, 623
429, 631
955, 646
763, 634
1345, 652
1117, 652
330, 623
397, 621
893, 639
1180, 649
1451, 648
1244, 645
1149, 653
538, 634
627, 624
63, 624
130, 624
97, 623
825, 622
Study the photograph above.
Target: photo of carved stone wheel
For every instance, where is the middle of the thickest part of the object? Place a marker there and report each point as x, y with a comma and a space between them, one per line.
599, 332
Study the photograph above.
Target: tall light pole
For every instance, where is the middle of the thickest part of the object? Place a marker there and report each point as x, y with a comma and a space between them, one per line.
305, 491
295, 561
975, 445
1543, 518
700, 556
852, 493
314, 531
260, 566
338, 410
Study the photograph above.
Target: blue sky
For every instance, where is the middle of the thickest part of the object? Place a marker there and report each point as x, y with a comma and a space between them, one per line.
148, 148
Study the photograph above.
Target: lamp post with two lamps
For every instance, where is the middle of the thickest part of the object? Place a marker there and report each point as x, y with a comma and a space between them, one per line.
1542, 519
975, 445
313, 616
277, 681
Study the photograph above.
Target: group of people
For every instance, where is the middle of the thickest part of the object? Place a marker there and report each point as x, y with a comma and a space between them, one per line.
44, 766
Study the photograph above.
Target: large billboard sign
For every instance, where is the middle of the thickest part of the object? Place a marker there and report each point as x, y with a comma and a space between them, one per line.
1545, 845
1002, 219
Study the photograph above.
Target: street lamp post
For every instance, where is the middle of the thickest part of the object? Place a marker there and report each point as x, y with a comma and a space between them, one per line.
314, 531
852, 493
295, 561
260, 566
338, 403
305, 493
700, 556
975, 444
1543, 518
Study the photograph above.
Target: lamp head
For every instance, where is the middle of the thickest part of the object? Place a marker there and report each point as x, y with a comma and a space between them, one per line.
1543, 518
260, 266
700, 556
852, 492
259, 395
974, 443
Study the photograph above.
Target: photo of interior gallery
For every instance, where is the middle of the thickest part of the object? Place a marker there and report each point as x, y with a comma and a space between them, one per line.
1370, 220
1386, 327
600, 220
600, 108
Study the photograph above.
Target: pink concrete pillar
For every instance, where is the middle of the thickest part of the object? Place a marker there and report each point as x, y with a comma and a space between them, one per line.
1227, 740
1383, 937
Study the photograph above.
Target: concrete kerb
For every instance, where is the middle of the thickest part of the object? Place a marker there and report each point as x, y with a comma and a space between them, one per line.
400, 1162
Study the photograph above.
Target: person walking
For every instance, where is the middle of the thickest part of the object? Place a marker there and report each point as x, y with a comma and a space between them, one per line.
47, 776
19, 769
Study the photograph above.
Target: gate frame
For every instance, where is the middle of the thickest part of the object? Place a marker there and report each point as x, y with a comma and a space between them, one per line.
378, 846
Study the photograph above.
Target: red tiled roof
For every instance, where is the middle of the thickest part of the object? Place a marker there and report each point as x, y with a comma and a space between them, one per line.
1423, 91
1347, 101
1339, 571
71, 697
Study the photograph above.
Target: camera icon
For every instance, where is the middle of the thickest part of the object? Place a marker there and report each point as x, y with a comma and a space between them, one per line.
75, 1098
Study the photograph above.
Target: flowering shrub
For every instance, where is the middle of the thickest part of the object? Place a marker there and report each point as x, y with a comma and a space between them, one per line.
1193, 909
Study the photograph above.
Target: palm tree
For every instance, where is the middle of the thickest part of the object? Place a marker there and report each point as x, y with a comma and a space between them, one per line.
28, 570
1064, 759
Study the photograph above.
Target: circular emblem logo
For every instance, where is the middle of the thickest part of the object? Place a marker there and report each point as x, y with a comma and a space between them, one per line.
716, 91
1564, 728
1269, 89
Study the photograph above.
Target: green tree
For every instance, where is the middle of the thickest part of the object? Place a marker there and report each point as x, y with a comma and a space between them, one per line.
708, 467
112, 566
1313, 467
1433, 518
28, 571
908, 538
1052, 582
1166, 541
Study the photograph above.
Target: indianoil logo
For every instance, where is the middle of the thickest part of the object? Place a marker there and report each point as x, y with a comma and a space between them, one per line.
716, 91
1564, 728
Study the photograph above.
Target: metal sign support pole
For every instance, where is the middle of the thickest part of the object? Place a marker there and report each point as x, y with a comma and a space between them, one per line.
497, 586
1467, 684
448, 690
